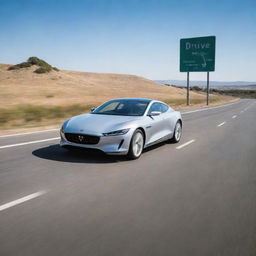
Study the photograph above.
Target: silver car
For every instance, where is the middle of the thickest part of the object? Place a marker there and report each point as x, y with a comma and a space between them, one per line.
123, 127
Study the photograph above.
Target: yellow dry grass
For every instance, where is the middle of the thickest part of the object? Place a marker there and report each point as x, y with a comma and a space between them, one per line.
71, 87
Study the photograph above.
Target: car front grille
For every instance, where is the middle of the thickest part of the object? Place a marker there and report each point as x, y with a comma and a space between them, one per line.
82, 138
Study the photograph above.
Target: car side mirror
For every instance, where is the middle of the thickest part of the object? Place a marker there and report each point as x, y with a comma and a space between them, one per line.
154, 113
92, 109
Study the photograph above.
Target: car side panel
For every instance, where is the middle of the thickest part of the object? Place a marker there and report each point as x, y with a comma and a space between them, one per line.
161, 126
170, 121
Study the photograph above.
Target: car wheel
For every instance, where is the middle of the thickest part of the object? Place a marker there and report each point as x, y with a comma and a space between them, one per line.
136, 145
177, 133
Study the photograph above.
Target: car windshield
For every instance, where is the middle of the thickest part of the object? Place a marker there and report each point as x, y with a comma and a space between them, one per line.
123, 107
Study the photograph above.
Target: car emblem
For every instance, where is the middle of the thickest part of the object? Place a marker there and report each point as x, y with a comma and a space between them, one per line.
80, 137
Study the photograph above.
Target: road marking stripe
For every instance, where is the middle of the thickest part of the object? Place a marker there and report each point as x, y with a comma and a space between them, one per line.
26, 133
203, 109
219, 125
185, 144
234, 116
29, 142
21, 200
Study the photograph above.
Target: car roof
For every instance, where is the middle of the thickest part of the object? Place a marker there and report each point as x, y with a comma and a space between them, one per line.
141, 99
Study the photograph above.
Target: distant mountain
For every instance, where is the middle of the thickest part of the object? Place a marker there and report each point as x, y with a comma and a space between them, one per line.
183, 83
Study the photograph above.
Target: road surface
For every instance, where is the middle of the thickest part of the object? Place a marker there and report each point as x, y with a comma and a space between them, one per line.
192, 198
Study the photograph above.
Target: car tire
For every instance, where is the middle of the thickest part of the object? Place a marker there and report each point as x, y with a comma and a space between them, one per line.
136, 145
177, 133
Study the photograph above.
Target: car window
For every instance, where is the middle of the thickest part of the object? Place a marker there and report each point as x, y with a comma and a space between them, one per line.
159, 107
110, 107
155, 107
164, 108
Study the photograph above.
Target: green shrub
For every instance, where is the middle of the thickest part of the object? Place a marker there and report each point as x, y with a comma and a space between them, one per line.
13, 67
21, 65
196, 88
44, 67
42, 70
38, 62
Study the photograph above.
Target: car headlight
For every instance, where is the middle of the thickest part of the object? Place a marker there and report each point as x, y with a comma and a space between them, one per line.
62, 128
62, 135
116, 133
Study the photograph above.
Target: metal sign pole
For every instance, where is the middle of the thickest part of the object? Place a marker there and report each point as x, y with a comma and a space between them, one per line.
187, 88
207, 90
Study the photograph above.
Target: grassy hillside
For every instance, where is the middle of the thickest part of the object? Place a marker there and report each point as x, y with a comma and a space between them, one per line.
31, 99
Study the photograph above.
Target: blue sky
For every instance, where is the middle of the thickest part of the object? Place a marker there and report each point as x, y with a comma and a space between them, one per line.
129, 36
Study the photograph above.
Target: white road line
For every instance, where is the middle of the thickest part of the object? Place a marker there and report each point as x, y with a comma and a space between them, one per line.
26, 133
185, 144
29, 142
219, 125
21, 200
203, 109
234, 116
242, 111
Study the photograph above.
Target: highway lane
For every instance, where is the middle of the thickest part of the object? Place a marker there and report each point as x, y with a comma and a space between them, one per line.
196, 200
19, 157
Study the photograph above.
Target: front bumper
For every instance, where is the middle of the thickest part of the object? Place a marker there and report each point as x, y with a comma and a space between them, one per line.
112, 145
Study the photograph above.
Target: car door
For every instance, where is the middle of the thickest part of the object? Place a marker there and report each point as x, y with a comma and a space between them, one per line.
168, 120
154, 128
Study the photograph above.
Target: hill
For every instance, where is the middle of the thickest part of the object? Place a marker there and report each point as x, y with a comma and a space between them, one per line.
30, 99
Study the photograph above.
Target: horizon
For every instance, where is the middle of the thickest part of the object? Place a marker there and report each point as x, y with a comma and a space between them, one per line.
195, 80
130, 37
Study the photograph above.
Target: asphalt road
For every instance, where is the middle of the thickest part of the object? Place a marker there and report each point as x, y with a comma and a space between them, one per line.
192, 198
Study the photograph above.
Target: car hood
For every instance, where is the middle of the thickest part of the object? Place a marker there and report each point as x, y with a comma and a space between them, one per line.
98, 124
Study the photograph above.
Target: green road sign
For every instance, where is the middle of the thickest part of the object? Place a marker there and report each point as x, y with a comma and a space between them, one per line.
197, 54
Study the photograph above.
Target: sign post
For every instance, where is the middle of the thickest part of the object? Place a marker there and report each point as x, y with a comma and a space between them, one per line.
207, 90
188, 88
197, 55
